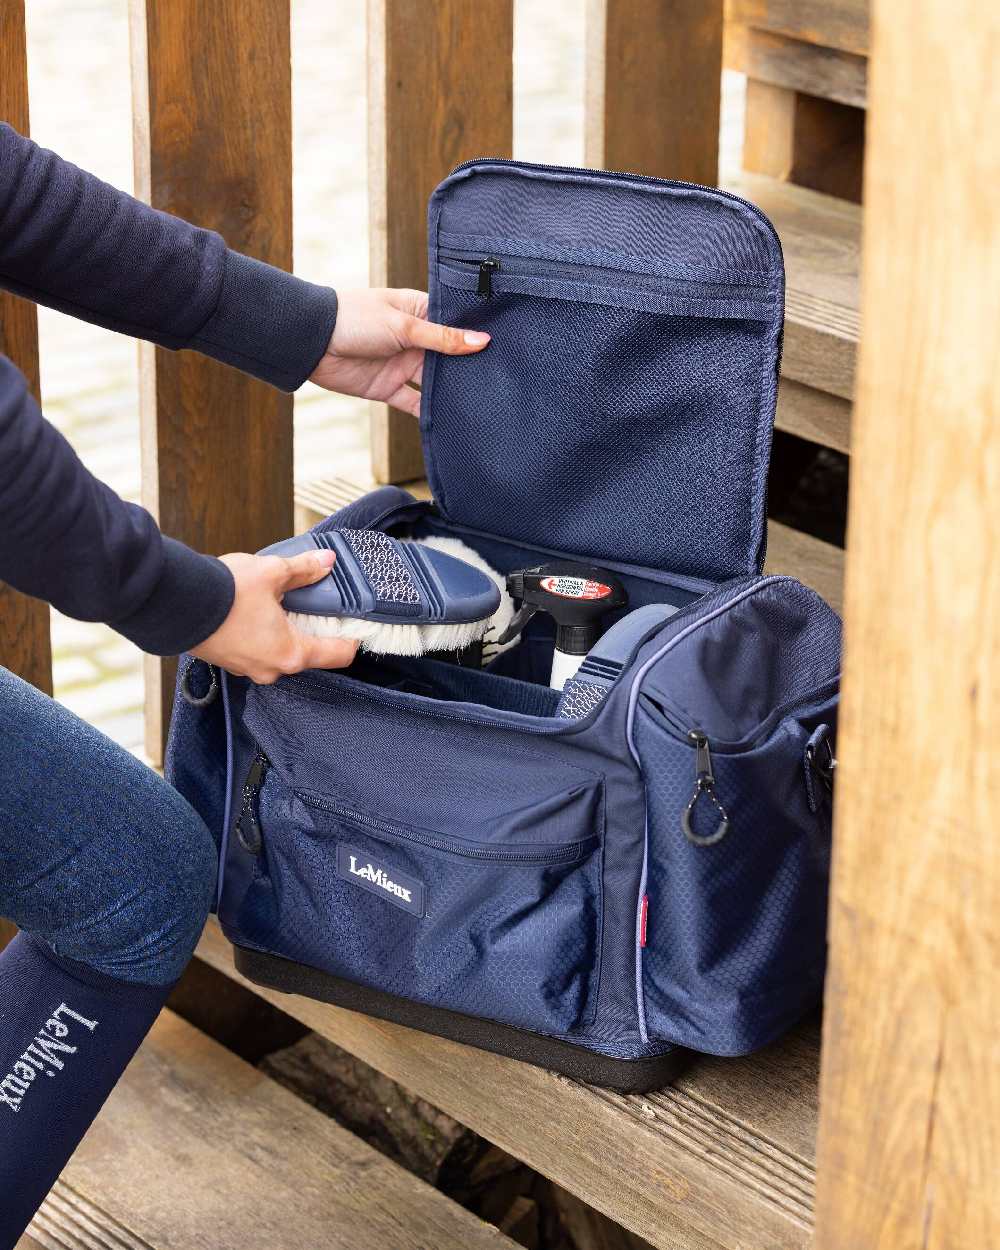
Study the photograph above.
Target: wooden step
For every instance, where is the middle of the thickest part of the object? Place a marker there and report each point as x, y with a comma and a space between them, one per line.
196, 1148
724, 1158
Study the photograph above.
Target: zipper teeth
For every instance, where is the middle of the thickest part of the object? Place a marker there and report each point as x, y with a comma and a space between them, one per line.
541, 267
569, 853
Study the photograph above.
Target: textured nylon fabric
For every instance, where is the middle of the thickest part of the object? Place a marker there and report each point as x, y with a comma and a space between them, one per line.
636, 436
564, 212
736, 931
777, 646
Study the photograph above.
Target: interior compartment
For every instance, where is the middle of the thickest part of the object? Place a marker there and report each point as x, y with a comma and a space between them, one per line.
517, 679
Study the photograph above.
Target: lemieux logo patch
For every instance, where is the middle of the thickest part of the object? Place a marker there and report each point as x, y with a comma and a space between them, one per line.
389, 883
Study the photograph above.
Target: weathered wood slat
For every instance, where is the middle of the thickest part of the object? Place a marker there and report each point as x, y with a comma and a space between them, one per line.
213, 144
910, 1132
815, 415
821, 241
725, 1156
197, 1148
653, 82
25, 646
440, 91
839, 24
814, 562
799, 66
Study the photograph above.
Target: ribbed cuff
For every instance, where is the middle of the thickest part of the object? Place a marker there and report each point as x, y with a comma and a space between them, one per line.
190, 601
268, 322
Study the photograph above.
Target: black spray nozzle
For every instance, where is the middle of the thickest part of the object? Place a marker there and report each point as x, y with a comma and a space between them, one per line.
577, 596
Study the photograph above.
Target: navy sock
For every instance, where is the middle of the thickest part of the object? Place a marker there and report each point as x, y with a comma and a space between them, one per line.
66, 1035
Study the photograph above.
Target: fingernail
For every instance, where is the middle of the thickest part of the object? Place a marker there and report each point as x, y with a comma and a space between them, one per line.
325, 559
474, 338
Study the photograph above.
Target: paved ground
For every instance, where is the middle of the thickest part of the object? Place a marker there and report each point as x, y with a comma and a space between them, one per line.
81, 106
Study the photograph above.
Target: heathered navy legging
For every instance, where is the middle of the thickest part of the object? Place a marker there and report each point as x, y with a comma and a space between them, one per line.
109, 874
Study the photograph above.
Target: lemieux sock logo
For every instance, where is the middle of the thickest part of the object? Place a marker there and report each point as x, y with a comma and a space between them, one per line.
44, 1055
391, 884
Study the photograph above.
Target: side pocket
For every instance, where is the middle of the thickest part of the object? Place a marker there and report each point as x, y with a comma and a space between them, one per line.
736, 928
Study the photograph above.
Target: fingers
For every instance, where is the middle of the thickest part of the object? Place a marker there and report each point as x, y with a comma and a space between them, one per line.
412, 302
301, 570
326, 652
449, 340
407, 400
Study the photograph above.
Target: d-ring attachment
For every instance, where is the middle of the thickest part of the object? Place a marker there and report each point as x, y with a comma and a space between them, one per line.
199, 700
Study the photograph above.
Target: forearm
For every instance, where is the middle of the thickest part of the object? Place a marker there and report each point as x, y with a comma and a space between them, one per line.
67, 538
72, 242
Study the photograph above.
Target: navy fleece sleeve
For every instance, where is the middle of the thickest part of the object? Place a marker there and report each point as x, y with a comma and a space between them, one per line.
74, 243
67, 538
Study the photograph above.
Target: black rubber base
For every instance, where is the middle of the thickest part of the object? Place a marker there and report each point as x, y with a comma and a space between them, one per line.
631, 1076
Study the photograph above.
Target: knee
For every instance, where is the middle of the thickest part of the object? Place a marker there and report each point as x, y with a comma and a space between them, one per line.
150, 913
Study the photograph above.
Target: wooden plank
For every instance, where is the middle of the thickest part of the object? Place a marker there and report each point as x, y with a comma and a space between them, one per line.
814, 562
213, 145
195, 1147
821, 241
726, 1153
806, 67
25, 646
653, 87
841, 24
815, 415
440, 91
910, 1131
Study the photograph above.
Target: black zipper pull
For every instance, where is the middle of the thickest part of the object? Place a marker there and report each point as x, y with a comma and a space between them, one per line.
704, 784
487, 268
248, 831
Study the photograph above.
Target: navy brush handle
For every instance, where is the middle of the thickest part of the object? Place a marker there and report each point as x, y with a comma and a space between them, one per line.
378, 578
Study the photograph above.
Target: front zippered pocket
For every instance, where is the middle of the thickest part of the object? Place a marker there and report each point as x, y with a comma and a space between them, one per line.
495, 913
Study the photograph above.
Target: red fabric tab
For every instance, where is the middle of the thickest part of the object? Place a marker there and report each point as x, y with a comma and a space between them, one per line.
644, 912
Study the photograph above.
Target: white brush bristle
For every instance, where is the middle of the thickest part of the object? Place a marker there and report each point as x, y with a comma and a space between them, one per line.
384, 639
414, 640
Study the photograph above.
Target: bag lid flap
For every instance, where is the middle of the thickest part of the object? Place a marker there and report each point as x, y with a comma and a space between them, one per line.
623, 409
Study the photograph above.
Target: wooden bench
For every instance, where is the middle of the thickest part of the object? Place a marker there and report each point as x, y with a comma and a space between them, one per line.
195, 1148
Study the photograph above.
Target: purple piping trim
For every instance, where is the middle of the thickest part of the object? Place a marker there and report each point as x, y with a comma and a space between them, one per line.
633, 703
224, 840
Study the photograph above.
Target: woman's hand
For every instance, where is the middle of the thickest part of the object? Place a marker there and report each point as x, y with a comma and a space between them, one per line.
378, 344
257, 639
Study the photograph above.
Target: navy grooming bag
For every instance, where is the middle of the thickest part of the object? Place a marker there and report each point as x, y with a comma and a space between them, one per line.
605, 881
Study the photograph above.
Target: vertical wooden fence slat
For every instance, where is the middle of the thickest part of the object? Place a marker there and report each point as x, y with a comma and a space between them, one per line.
654, 71
440, 91
212, 101
25, 648
909, 1136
